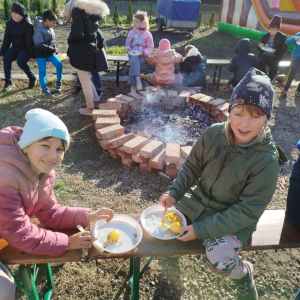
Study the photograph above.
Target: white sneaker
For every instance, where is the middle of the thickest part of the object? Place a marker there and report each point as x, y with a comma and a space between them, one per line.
139, 86
133, 89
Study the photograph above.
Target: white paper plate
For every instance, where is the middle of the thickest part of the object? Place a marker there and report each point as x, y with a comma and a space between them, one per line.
157, 211
134, 52
62, 56
131, 233
268, 49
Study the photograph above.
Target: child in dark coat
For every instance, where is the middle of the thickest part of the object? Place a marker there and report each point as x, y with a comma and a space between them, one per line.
45, 50
242, 62
18, 32
275, 40
193, 67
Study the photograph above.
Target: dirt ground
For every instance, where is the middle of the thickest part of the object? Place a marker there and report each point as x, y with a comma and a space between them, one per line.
213, 45
89, 177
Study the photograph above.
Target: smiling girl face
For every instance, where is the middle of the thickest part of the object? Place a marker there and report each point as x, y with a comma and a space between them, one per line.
45, 154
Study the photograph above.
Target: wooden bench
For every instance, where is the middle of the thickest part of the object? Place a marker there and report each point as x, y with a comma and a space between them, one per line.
274, 231
122, 61
10, 255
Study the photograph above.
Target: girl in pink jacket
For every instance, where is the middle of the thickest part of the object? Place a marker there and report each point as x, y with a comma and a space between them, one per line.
164, 59
139, 39
27, 161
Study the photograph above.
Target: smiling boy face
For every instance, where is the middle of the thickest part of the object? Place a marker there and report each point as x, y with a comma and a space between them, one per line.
45, 155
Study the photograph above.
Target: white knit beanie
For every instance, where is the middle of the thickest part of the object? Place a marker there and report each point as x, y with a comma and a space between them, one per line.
40, 124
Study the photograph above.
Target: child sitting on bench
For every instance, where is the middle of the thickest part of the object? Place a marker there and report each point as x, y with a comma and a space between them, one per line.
28, 158
228, 180
293, 198
164, 60
193, 67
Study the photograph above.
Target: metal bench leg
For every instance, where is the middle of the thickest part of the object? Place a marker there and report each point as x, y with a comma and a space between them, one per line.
135, 279
220, 71
215, 74
28, 280
49, 280
118, 73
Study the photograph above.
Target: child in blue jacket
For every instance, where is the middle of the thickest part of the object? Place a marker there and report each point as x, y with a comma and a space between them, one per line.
295, 64
45, 50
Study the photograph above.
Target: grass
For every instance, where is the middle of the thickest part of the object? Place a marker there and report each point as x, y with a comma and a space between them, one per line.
116, 50
60, 189
215, 42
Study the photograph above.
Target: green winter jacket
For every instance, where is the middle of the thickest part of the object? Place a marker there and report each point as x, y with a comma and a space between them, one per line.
224, 190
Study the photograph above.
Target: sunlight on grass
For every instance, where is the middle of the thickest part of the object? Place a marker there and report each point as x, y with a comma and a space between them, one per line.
214, 42
116, 50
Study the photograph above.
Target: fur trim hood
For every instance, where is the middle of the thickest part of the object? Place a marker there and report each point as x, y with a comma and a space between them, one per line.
93, 7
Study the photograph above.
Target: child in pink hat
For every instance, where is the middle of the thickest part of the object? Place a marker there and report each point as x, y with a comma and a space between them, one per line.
164, 59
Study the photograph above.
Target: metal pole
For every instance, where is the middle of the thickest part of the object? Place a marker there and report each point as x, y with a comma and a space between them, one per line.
150, 10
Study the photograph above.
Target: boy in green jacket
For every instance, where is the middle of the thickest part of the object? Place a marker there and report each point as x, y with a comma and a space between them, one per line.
228, 180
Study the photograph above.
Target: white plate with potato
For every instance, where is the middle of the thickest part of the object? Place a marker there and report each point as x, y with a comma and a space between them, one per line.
135, 52
151, 222
267, 49
120, 235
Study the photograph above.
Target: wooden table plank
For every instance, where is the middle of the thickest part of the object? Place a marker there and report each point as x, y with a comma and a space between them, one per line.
10, 255
273, 232
219, 62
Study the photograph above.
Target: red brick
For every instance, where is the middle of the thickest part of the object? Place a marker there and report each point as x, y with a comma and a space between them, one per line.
215, 103
205, 100
127, 161
136, 96
113, 153
139, 159
105, 106
196, 97
145, 168
104, 143
169, 107
172, 153
151, 149
171, 170
213, 113
124, 104
119, 141
135, 144
185, 151
223, 107
129, 100
110, 131
112, 113
120, 151
105, 122
143, 93
158, 162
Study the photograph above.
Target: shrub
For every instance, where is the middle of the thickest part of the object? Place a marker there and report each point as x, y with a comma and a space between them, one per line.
130, 14
6, 9
116, 17
200, 20
54, 5
212, 19
39, 8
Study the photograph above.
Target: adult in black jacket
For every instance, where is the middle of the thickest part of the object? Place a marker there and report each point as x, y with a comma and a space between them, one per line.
18, 32
87, 46
275, 40
242, 62
193, 67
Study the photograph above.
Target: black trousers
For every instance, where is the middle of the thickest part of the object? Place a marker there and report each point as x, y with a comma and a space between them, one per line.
271, 61
295, 65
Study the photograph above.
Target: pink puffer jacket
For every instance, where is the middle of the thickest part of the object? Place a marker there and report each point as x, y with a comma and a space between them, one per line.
22, 195
164, 70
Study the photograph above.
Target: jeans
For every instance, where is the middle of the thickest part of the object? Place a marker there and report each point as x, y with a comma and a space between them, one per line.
295, 65
271, 61
22, 57
96, 80
136, 62
42, 63
293, 199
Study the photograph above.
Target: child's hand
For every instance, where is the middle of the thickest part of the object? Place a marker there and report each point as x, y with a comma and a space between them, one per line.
102, 213
81, 240
167, 200
31, 59
274, 50
189, 236
1, 58
261, 45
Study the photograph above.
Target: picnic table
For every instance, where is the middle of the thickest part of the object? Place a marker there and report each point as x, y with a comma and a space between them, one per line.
274, 231
28, 269
122, 61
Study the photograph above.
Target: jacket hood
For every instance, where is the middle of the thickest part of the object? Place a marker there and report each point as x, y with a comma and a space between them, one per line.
38, 23
165, 56
195, 58
243, 46
11, 153
93, 7
26, 19
268, 145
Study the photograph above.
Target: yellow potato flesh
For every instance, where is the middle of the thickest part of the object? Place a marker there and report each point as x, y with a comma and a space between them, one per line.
175, 228
113, 236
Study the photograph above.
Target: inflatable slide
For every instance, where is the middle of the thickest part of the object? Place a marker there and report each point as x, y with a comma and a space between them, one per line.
256, 14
